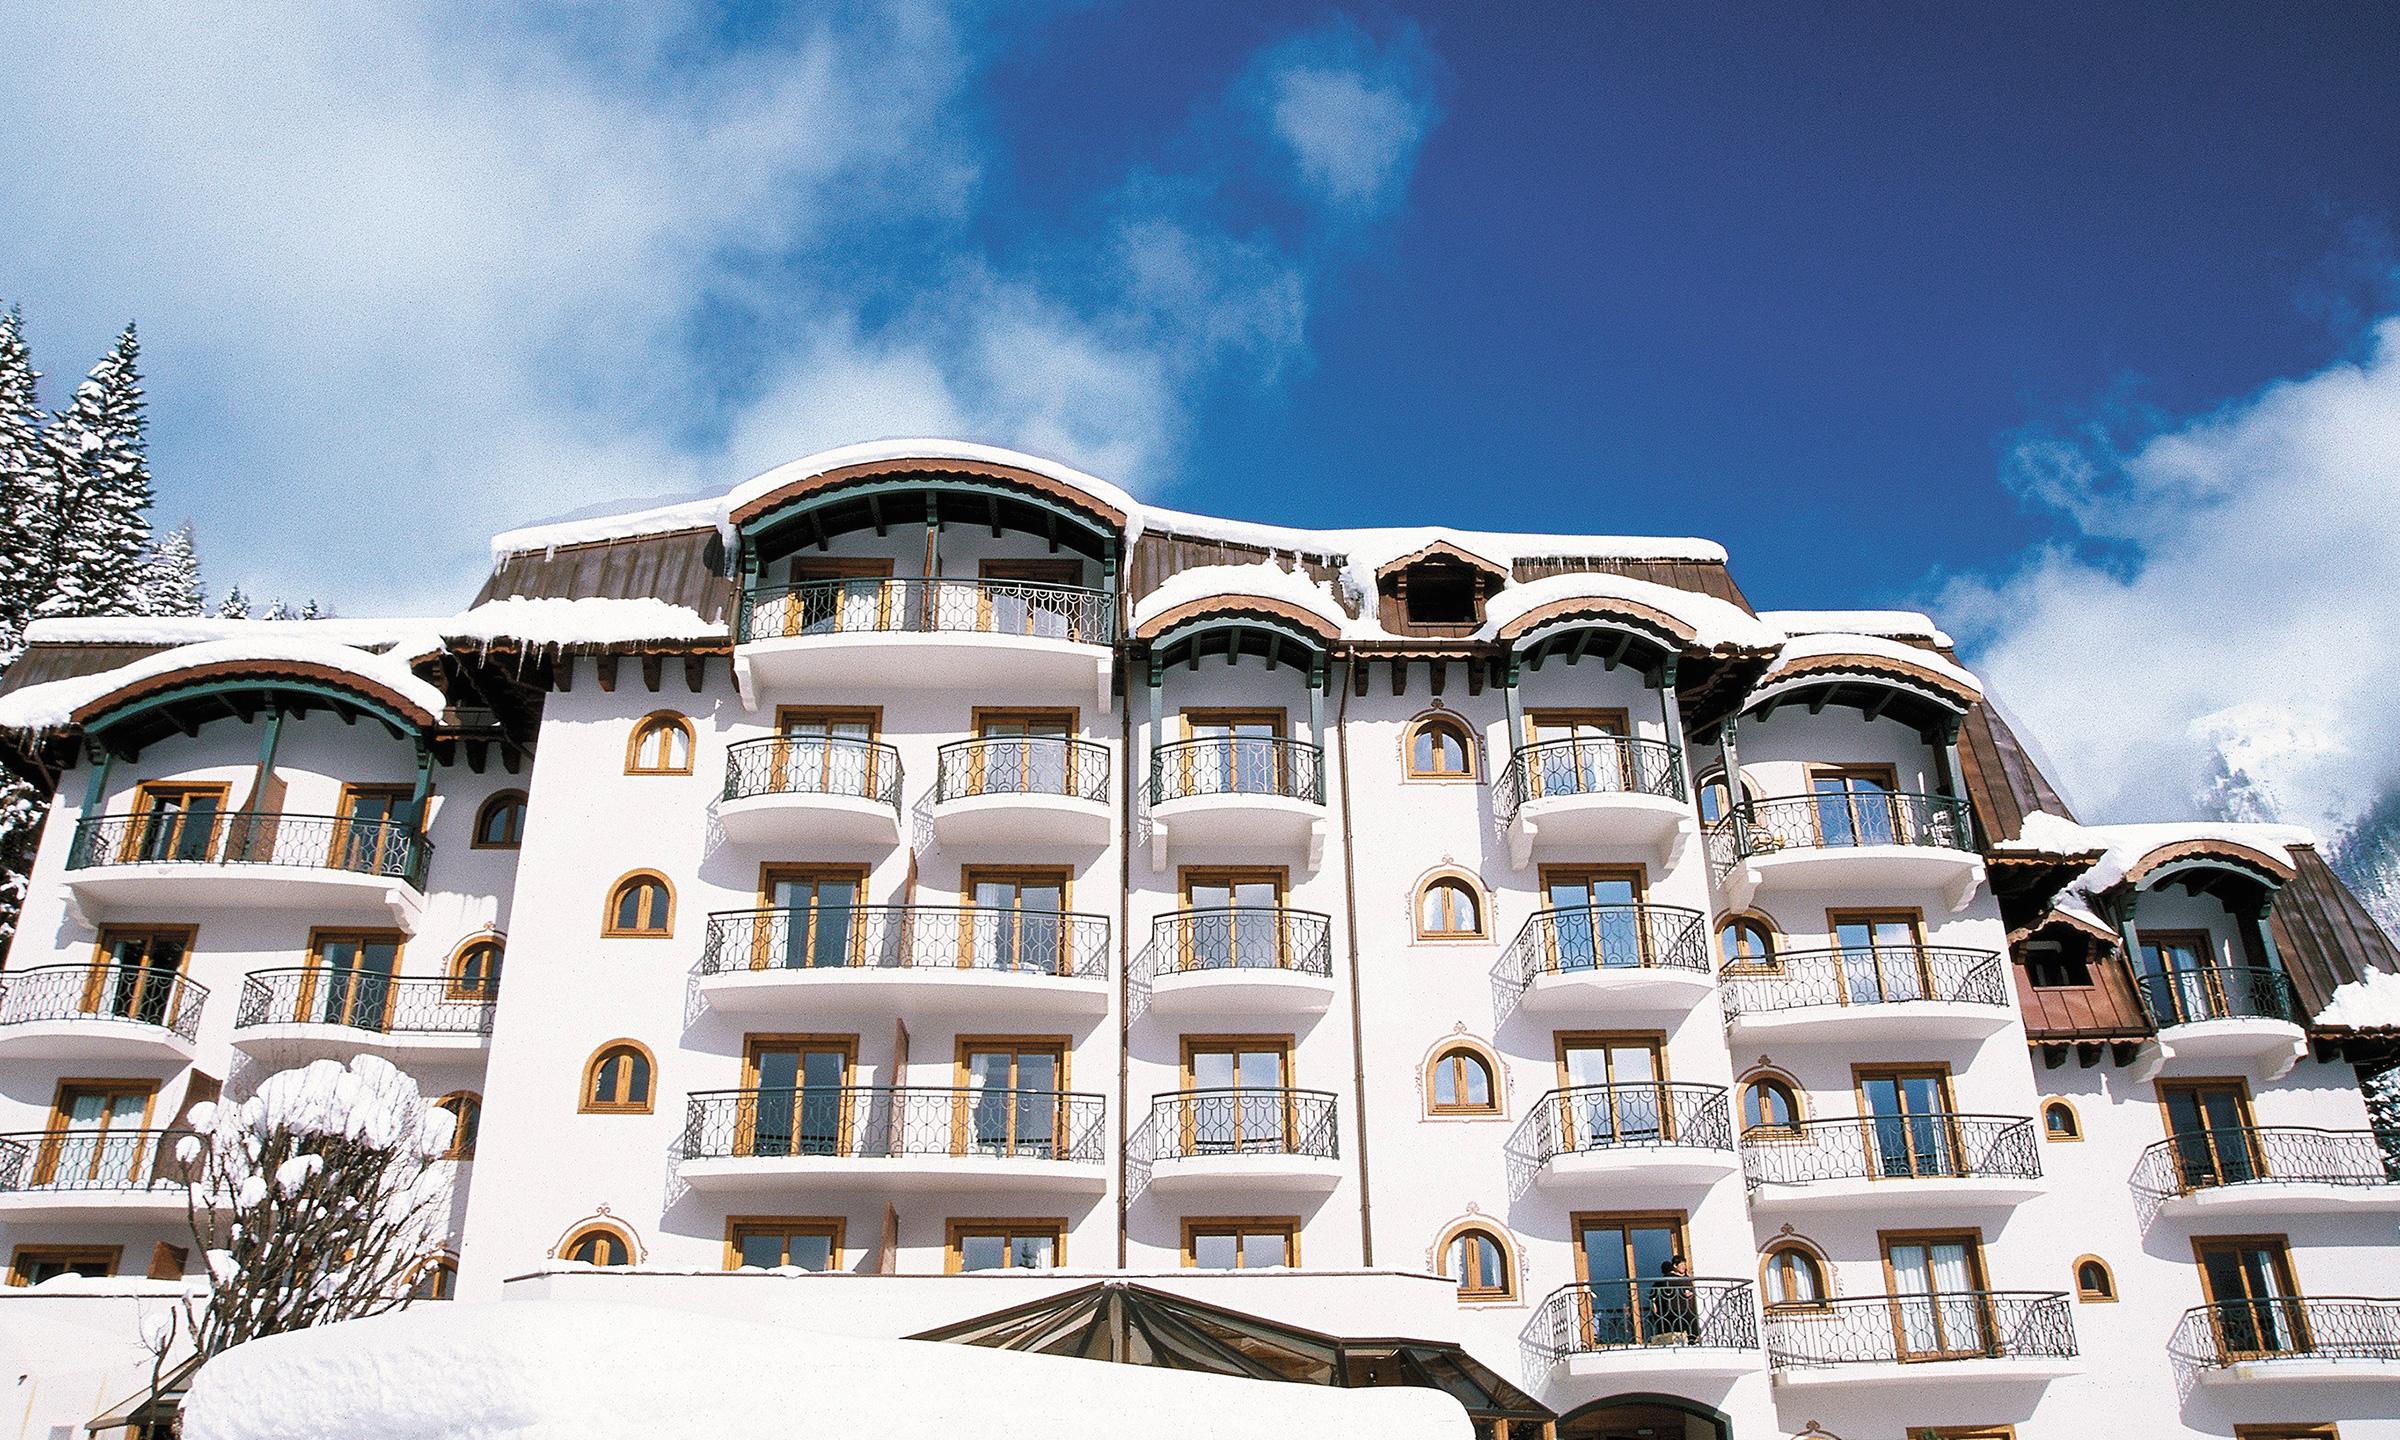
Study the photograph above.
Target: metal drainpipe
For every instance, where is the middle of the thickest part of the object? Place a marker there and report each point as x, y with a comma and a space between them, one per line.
1358, 1033
1124, 953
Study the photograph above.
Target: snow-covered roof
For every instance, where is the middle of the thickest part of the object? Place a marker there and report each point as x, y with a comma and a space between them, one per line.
59, 703
1229, 584
1813, 655
2124, 849
1713, 623
374, 634
1891, 624
593, 620
2371, 1002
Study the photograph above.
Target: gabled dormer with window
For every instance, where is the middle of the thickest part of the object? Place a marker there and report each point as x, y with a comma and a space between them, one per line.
1436, 591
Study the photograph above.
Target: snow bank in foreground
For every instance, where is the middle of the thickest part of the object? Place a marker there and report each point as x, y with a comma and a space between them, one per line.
564, 1370
2369, 1003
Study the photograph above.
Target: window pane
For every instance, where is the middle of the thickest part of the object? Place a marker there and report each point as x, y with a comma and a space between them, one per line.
1215, 1250
1263, 1248
763, 1251
982, 1252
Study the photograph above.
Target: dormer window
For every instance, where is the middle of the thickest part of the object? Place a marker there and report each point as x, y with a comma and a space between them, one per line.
1439, 590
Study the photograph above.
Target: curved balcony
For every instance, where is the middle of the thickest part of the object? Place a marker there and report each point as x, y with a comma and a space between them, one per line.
1244, 793
1628, 1330
1911, 1340
91, 1176
1241, 960
315, 1013
1609, 1137
2291, 1337
1246, 1141
1012, 634
861, 961
129, 1012
2268, 1170
893, 1137
1020, 791
811, 788
1562, 796
2212, 1016
1933, 1161
1879, 992
1881, 839
1578, 956
328, 865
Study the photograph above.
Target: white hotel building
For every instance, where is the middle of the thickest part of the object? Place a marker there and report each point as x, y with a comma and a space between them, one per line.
928, 893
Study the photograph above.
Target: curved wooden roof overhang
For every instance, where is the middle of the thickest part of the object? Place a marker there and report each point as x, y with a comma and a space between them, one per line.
2229, 870
1616, 632
1233, 626
181, 701
932, 492
2081, 922
1920, 697
1445, 551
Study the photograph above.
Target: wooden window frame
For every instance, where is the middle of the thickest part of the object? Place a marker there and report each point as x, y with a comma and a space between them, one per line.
1476, 897
1587, 875
1010, 1229
25, 1256
616, 890
970, 876
137, 834
2288, 1430
2255, 1160
832, 1227
584, 1231
586, 1105
1038, 570
1792, 1092
1773, 964
462, 1142
455, 988
2074, 1133
1910, 916
344, 850
1239, 1226
1456, 1047
483, 813
188, 935
845, 1140
1279, 876
1818, 1266
313, 964
656, 719
1979, 1274
2107, 1294
1598, 717
1235, 715
787, 716
439, 1263
1677, 1220
1062, 1046
1284, 1044
1454, 722
1715, 776
2211, 978
774, 873
2296, 1321
1457, 1230
59, 1129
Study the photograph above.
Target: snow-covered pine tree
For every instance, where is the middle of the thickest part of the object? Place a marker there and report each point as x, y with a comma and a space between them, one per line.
103, 531
28, 486
235, 605
313, 611
280, 609
171, 575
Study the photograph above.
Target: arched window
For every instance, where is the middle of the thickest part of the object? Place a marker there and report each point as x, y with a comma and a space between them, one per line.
500, 824
1439, 748
466, 1119
1745, 943
1713, 797
1790, 1275
1448, 908
2059, 1120
1460, 1083
642, 904
475, 970
1769, 1103
2094, 1285
1478, 1260
617, 1081
598, 1245
661, 745
437, 1279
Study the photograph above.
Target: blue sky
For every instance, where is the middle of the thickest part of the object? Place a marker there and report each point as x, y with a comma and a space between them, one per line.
1976, 306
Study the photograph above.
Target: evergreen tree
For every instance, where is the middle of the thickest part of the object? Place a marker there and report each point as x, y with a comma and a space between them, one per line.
235, 605
279, 609
314, 611
103, 526
28, 486
171, 575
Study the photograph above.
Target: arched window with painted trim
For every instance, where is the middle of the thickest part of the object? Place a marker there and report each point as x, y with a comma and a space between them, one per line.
598, 1245
2095, 1284
617, 1079
466, 1121
1449, 908
1770, 1104
500, 824
1713, 797
2059, 1120
437, 1279
1744, 942
661, 744
1460, 1082
641, 905
1789, 1275
1478, 1259
475, 970
1440, 748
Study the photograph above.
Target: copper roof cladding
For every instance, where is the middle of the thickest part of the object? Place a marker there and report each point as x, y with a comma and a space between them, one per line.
2002, 779
681, 567
2105, 1009
1159, 554
45, 662
2327, 939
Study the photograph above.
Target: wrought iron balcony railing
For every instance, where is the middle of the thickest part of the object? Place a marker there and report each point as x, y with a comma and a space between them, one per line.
1864, 975
2211, 1159
1630, 1116
813, 765
1914, 1329
1023, 765
87, 1160
1191, 1124
1241, 938
1238, 765
1840, 821
858, 1122
1585, 939
1603, 765
962, 607
366, 1001
2189, 994
389, 848
2288, 1327
907, 937
1634, 1314
1940, 1146
138, 993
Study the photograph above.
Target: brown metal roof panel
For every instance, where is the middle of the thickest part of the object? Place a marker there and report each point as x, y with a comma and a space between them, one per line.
2326, 937
42, 664
683, 568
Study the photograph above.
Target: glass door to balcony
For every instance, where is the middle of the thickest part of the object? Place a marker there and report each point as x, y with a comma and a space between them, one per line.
1020, 597
350, 981
833, 595
137, 975
1225, 1118
370, 840
1613, 1092
1910, 1134
1012, 1102
1854, 805
1939, 1310
826, 752
1237, 921
1023, 752
799, 1094
2179, 977
2209, 1121
816, 920
176, 823
1882, 957
96, 1138
2252, 1297
1632, 1298
1584, 751
1019, 921
1593, 924
1238, 753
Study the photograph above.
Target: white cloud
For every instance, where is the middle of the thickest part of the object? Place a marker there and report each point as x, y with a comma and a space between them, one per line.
1350, 113
2226, 643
